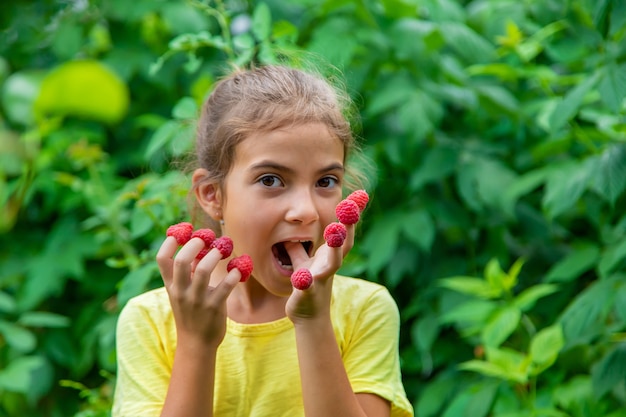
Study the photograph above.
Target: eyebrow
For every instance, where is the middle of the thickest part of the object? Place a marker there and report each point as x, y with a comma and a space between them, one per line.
278, 167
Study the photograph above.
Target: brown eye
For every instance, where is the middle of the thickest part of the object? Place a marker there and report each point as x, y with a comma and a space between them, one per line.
327, 182
270, 181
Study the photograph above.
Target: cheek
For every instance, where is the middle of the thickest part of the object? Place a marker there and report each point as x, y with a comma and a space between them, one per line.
328, 214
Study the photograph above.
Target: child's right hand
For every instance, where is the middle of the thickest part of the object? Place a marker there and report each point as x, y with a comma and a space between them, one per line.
199, 309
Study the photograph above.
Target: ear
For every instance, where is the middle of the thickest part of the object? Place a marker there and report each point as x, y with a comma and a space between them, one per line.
208, 194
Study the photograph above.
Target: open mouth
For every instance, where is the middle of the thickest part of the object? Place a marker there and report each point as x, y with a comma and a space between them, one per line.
282, 256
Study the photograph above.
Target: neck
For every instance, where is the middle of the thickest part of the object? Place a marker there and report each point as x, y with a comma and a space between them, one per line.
251, 303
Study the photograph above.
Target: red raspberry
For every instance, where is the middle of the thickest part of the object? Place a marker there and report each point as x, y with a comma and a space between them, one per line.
224, 244
244, 264
335, 234
348, 212
207, 235
202, 253
301, 279
181, 231
360, 197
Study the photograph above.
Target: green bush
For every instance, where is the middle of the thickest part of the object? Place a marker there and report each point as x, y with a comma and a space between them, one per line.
498, 129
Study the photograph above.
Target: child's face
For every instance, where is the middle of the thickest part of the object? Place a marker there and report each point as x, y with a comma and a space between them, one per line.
283, 186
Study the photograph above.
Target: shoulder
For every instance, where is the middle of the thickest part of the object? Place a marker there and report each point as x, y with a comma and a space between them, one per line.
354, 295
154, 303
344, 286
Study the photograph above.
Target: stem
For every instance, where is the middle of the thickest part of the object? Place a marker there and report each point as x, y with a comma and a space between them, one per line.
112, 219
218, 13
529, 326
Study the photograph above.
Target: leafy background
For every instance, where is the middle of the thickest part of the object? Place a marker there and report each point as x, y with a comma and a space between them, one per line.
497, 219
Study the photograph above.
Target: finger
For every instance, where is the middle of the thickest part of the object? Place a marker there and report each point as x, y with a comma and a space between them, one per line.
203, 270
183, 262
297, 253
224, 288
349, 242
165, 259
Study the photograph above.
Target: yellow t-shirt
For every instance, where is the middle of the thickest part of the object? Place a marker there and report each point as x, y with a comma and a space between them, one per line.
257, 373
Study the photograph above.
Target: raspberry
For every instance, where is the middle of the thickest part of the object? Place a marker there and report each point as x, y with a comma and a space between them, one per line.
181, 231
301, 279
224, 244
244, 264
348, 212
207, 235
202, 253
360, 197
335, 234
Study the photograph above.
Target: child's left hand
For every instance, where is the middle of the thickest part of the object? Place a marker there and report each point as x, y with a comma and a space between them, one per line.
314, 302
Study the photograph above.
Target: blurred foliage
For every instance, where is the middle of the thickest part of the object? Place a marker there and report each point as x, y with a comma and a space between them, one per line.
497, 219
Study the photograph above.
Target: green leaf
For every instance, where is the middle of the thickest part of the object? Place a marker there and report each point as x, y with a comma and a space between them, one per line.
475, 311
435, 394
583, 319
419, 114
513, 273
68, 39
505, 72
481, 181
438, 163
482, 396
494, 275
472, 286
162, 137
334, 39
612, 257
391, 94
569, 105
49, 270
574, 264
467, 43
19, 373
612, 86
18, 96
176, 15
527, 298
566, 184
521, 186
546, 345
572, 392
261, 22
424, 332
420, 229
135, 282
183, 139
492, 370
140, 223
610, 173
17, 337
500, 97
610, 371
457, 405
500, 326
514, 362
620, 303
85, 89
185, 108
381, 243
7, 303
618, 22
43, 319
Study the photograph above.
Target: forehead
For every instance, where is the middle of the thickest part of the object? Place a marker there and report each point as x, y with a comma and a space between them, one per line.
307, 143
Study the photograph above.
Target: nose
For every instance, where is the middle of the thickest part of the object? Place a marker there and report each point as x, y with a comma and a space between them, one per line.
302, 207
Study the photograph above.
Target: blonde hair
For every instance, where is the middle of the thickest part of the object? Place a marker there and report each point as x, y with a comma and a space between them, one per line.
263, 99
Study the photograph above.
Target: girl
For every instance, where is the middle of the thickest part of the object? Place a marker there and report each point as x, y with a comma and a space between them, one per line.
272, 146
